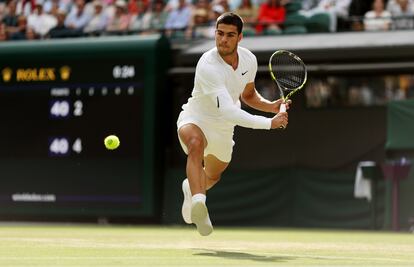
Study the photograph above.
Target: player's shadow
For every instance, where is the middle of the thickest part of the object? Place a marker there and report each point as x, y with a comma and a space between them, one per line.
242, 256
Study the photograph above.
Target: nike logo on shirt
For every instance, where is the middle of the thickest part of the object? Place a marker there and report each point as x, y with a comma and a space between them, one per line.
244, 72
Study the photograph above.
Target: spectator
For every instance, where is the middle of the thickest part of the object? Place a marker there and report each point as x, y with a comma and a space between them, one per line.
2, 9
154, 18
216, 12
178, 19
25, 7
200, 18
235, 4
367, 94
99, 20
40, 22
137, 22
223, 3
173, 4
11, 17
136, 7
51, 7
271, 15
310, 4
208, 31
60, 30
357, 10
317, 94
3, 32
336, 9
248, 12
108, 3
109, 8
119, 23
202, 7
377, 19
20, 32
354, 96
402, 12
199, 24
30, 34
78, 18
66, 5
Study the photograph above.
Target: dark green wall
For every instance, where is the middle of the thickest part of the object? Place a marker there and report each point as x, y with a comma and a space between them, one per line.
284, 197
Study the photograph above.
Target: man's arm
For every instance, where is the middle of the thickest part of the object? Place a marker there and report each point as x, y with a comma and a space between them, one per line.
253, 99
214, 87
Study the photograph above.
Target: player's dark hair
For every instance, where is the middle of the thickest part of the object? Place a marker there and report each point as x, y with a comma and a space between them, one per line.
231, 18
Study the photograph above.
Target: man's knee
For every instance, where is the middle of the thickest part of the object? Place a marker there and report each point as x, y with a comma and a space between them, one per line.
195, 144
214, 177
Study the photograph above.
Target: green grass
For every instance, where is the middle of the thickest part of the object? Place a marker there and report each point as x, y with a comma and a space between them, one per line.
87, 245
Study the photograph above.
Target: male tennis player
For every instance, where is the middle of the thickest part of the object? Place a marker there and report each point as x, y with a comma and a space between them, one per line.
223, 75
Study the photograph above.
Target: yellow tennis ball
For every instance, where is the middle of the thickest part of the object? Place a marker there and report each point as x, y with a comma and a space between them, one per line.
111, 142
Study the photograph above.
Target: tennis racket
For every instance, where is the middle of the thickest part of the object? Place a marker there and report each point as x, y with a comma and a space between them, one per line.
289, 73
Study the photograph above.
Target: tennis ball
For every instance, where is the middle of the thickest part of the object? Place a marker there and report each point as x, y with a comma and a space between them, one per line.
111, 142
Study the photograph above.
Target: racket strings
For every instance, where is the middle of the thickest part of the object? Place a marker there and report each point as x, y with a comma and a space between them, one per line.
288, 71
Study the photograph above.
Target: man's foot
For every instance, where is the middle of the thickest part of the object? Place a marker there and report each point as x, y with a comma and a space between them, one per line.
186, 208
199, 216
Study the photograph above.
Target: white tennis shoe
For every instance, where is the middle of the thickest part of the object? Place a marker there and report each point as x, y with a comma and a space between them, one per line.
200, 217
186, 208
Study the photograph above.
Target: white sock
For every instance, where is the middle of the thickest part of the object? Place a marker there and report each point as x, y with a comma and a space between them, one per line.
187, 184
199, 197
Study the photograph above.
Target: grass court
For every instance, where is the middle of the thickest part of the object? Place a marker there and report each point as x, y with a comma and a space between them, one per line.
94, 245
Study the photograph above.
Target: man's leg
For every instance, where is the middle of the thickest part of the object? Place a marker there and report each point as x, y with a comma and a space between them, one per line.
195, 210
199, 179
213, 168
195, 141
199, 213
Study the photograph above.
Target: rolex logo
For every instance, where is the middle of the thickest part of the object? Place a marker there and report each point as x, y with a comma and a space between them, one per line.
7, 74
65, 73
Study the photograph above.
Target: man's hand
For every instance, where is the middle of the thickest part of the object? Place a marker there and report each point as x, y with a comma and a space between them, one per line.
275, 106
280, 120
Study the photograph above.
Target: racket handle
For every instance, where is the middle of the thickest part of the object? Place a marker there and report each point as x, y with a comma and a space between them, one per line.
282, 108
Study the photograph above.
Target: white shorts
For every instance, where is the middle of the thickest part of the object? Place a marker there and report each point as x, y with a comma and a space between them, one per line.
219, 141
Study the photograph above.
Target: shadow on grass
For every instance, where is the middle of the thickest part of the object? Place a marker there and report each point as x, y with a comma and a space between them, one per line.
242, 256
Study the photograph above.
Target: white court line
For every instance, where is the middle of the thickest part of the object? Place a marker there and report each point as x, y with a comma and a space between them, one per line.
81, 257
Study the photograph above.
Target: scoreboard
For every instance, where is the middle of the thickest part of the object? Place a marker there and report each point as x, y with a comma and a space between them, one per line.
58, 101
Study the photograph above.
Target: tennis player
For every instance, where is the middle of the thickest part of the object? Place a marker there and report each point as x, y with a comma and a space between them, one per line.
206, 123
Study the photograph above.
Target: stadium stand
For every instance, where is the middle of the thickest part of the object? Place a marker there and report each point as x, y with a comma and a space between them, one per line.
43, 19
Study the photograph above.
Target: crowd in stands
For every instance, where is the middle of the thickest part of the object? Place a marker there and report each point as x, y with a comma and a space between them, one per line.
189, 19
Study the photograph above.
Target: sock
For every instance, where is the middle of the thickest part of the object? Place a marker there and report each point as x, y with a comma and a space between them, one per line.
199, 197
187, 184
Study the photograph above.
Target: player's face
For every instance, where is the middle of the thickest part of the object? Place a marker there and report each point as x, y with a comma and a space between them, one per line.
227, 39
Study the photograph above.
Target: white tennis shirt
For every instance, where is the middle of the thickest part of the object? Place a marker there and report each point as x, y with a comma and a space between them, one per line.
217, 88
